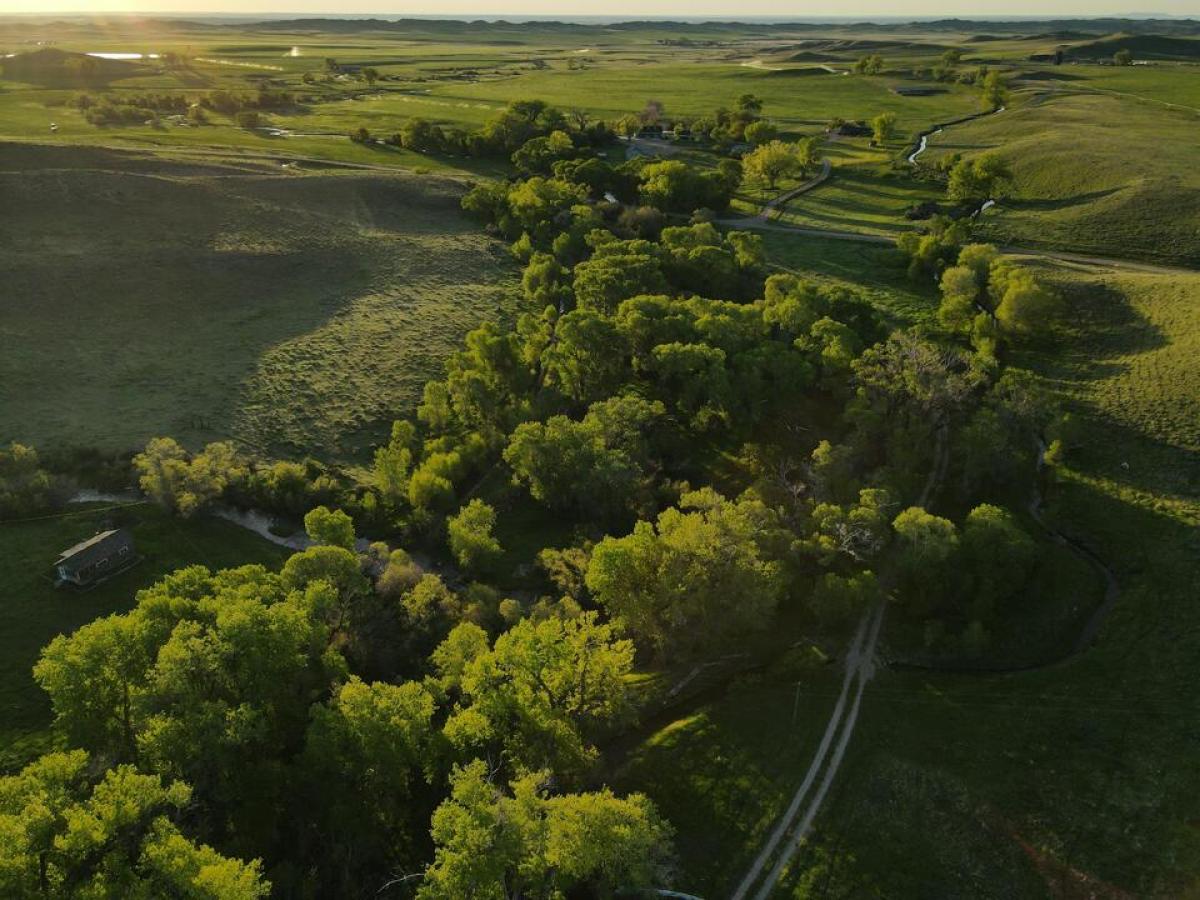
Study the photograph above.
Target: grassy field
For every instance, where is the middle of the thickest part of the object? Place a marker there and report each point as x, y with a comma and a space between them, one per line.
32, 611
1073, 781
1091, 173
296, 311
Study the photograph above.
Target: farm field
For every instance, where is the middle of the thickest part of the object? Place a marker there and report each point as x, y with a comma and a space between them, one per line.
295, 311
33, 612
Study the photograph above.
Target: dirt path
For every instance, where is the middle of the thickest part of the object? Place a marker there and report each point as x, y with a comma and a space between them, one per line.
860, 668
781, 200
756, 223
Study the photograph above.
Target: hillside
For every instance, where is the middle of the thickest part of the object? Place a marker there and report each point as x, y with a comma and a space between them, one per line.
295, 311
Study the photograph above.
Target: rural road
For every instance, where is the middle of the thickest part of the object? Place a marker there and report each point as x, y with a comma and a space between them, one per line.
780, 200
758, 223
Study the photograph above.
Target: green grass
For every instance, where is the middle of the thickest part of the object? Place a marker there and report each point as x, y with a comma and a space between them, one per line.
33, 611
696, 90
1091, 173
877, 272
299, 312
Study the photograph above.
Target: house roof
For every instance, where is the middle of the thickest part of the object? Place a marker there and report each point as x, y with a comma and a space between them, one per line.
95, 548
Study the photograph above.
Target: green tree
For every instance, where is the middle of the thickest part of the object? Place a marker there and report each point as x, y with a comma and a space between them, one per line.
1022, 303
186, 484
883, 127
927, 545
997, 558
543, 692
66, 834
761, 132
869, 65
965, 286
699, 575
977, 179
471, 536
330, 527
367, 756
494, 845
393, 462
25, 488
994, 90
771, 163
1123, 57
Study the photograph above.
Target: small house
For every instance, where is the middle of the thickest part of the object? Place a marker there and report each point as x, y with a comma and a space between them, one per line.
96, 558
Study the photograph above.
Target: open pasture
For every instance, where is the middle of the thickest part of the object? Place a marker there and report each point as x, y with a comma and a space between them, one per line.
1092, 173
297, 311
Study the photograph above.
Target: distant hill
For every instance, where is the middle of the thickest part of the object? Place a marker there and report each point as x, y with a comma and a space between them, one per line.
1142, 46
1082, 27
50, 67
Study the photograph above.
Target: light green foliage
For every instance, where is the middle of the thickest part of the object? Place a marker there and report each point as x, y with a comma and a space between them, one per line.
465, 643
332, 528
761, 132
857, 532
485, 391
869, 65
618, 271
539, 154
994, 90
186, 484
492, 845
695, 375
932, 249
336, 566
543, 691
979, 178
674, 186
698, 575
965, 286
773, 162
1023, 304
471, 536
883, 127
393, 462
61, 835
1007, 295
537, 200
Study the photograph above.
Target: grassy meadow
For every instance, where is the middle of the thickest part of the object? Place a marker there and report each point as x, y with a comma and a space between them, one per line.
296, 311
33, 611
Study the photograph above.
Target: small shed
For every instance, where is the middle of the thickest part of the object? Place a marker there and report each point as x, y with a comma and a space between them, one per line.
96, 558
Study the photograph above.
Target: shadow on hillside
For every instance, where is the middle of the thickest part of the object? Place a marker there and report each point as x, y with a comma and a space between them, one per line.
151, 293
1055, 203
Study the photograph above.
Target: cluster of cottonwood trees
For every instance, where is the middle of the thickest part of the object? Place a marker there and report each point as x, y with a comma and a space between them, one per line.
693, 445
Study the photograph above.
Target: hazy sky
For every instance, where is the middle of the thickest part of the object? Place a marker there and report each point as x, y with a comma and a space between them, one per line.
725, 9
